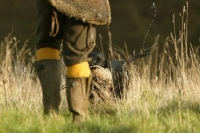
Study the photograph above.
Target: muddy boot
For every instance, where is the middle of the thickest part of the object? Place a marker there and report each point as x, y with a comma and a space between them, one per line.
50, 76
77, 97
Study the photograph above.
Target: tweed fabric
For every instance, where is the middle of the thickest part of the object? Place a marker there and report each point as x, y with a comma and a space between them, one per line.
92, 11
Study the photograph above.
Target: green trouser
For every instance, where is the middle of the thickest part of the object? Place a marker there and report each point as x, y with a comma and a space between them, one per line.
55, 28
77, 39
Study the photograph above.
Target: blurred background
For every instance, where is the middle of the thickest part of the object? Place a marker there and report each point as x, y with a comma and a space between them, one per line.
130, 22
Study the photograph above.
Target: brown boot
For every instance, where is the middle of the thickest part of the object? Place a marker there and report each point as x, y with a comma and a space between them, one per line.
50, 76
77, 97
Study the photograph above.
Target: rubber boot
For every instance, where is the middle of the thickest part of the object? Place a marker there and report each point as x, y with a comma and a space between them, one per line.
77, 97
50, 76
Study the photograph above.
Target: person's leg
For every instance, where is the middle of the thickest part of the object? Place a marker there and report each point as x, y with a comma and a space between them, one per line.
48, 65
79, 41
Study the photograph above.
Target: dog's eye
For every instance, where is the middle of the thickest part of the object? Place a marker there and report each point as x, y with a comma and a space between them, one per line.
98, 59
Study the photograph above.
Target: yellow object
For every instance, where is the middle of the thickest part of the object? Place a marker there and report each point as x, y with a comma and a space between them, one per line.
79, 70
47, 53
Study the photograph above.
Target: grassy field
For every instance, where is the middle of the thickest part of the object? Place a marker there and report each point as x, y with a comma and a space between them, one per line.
163, 94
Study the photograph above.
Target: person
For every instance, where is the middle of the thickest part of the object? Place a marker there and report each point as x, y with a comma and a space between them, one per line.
64, 29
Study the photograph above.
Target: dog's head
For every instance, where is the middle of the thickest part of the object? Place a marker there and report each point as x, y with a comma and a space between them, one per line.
98, 59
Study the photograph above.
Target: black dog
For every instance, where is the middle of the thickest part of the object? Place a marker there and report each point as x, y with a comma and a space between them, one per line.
114, 67
118, 69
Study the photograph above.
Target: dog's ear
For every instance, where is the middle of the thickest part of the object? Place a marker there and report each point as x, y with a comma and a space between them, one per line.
101, 60
107, 64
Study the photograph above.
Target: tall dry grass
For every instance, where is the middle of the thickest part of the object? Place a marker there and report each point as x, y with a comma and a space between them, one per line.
166, 81
18, 87
170, 73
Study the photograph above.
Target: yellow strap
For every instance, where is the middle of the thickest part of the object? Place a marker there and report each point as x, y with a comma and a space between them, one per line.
47, 53
78, 70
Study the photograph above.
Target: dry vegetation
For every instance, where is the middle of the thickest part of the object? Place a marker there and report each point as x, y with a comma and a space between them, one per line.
163, 95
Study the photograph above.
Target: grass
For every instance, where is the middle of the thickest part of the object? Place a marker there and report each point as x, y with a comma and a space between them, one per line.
163, 95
